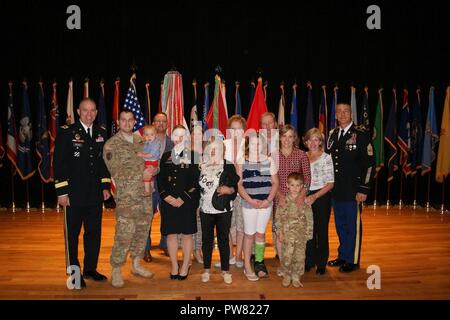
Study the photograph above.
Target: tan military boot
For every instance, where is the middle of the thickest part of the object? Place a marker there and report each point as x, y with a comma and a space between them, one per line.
116, 278
296, 283
139, 270
286, 281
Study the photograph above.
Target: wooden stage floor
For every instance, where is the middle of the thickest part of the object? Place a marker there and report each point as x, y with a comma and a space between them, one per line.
411, 248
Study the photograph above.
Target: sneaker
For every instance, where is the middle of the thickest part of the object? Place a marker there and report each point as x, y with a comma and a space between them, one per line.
233, 260
239, 264
227, 277
286, 281
205, 276
296, 283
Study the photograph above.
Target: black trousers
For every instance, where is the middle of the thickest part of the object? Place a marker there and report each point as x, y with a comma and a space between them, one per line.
317, 249
90, 217
222, 222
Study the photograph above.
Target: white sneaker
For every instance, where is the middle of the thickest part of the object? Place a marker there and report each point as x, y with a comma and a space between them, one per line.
227, 277
239, 264
205, 276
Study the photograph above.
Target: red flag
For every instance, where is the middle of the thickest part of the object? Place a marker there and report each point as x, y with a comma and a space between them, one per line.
217, 115
258, 107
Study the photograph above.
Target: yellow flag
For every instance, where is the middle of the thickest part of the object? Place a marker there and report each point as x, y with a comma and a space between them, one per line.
443, 159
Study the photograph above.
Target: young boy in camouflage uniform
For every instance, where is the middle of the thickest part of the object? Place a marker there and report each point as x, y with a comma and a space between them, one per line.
294, 227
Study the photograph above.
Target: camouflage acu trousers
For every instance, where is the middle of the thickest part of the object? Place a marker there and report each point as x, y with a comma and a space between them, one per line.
131, 232
293, 255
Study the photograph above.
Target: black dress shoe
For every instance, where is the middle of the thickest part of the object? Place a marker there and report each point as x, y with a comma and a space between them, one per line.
348, 267
174, 276
180, 277
320, 270
336, 262
94, 275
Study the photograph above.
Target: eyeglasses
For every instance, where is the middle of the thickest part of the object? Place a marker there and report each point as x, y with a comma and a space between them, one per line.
160, 121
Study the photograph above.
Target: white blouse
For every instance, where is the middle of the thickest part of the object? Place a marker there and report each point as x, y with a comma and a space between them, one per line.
322, 172
209, 181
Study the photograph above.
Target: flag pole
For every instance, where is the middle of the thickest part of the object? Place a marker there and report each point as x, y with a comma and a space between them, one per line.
376, 192
28, 196
415, 192
42, 197
428, 192
443, 197
13, 206
388, 195
400, 202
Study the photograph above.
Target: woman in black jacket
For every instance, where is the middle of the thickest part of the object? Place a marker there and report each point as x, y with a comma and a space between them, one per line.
179, 191
218, 188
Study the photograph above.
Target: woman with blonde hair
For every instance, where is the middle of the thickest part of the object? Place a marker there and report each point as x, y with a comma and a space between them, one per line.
322, 181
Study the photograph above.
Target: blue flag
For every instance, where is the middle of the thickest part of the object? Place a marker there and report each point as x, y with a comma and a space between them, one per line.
132, 104
206, 106
24, 154
431, 135
309, 120
101, 119
416, 135
390, 136
294, 113
43, 138
238, 107
404, 137
11, 134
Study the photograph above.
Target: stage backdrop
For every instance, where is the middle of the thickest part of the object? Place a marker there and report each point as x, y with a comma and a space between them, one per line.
324, 42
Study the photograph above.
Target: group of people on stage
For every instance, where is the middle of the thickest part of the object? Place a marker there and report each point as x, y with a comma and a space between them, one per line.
207, 186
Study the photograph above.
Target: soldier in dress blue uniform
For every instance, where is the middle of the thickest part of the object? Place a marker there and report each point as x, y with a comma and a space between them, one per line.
82, 183
179, 190
353, 161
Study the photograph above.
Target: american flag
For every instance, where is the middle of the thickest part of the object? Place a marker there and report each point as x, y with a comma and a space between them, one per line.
132, 104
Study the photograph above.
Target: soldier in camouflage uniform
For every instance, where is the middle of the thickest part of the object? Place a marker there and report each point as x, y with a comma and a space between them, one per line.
133, 211
294, 227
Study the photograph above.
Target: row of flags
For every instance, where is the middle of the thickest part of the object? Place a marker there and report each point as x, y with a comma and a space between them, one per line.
409, 146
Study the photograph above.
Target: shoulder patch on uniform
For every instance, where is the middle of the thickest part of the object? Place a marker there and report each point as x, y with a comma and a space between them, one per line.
360, 128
